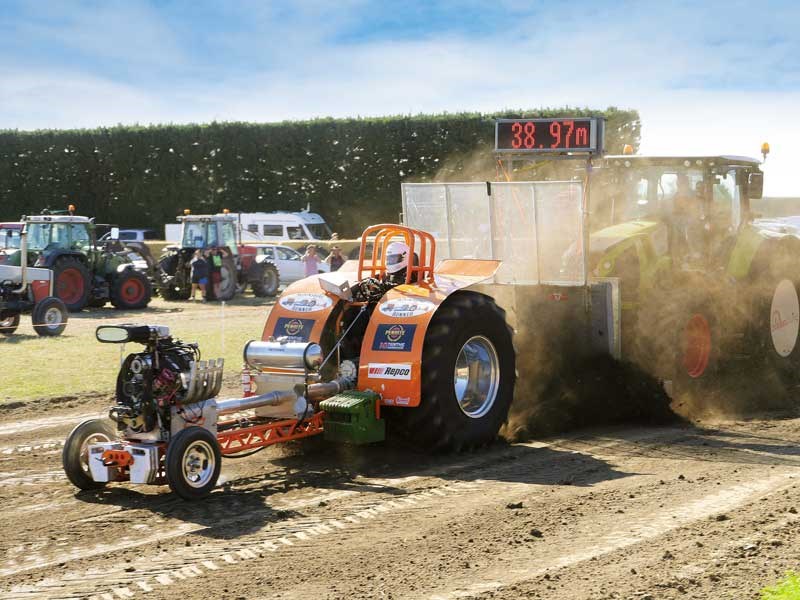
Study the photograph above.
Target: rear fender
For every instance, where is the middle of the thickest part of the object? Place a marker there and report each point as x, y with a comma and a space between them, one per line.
391, 352
49, 259
301, 312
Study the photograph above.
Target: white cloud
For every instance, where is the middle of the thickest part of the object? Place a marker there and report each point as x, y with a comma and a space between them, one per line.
689, 83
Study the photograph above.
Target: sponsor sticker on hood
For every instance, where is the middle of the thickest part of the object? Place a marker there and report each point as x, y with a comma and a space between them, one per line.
297, 330
389, 371
305, 302
394, 338
406, 307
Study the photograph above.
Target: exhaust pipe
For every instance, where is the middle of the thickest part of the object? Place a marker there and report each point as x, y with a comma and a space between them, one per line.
316, 392
23, 262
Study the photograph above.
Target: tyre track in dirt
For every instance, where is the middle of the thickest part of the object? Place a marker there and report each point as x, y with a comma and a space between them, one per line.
40, 554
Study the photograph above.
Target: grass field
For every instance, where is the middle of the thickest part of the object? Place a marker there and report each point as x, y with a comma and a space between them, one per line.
786, 589
75, 363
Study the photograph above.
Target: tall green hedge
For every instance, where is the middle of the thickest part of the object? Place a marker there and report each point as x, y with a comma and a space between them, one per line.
349, 170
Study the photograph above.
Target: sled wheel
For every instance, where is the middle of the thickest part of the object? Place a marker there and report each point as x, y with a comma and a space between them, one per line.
71, 279
268, 282
130, 290
9, 324
468, 375
49, 317
227, 283
193, 463
75, 456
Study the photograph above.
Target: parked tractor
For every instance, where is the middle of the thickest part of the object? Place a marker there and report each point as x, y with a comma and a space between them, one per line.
24, 289
216, 237
86, 272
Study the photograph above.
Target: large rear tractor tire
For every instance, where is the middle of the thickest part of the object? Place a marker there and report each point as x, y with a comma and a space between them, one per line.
9, 324
227, 284
71, 283
772, 339
131, 290
268, 281
468, 376
696, 379
75, 456
168, 270
193, 463
50, 317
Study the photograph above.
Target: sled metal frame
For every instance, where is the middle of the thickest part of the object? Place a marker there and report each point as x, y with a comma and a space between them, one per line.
267, 434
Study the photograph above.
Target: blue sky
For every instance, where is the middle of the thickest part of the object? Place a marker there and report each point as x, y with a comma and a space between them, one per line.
706, 76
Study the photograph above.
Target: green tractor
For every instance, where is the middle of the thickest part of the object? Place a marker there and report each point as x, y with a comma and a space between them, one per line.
709, 292
85, 272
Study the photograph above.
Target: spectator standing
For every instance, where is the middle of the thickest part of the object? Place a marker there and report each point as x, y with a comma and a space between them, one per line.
311, 260
335, 258
199, 267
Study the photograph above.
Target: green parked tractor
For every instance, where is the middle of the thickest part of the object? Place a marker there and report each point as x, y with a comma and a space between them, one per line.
85, 272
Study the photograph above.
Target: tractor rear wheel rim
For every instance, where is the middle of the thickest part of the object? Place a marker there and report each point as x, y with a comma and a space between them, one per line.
70, 285
132, 290
95, 438
476, 378
697, 349
198, 464
5, 323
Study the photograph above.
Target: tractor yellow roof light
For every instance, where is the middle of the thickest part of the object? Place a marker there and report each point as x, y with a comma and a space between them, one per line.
225, 211
627, 149
764, 150
186, 211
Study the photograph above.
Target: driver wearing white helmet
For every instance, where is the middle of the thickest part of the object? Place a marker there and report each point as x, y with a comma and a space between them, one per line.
397, 262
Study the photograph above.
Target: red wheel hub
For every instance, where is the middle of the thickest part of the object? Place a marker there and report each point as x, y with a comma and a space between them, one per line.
132, 290
697, 346
70, 286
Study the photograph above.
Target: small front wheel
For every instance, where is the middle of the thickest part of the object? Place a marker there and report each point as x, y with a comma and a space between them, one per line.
9, 324
193, 463
75, 456
50, 317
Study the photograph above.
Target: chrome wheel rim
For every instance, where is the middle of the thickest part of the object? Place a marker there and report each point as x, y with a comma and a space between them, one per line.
198, 464
95, 438
476, 378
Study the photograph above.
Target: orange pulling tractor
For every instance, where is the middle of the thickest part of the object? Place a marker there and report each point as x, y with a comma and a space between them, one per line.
387, 337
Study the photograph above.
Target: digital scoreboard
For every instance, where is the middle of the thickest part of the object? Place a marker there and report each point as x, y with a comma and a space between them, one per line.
549, 136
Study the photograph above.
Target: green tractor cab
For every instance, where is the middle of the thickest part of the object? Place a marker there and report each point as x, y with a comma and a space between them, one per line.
85, 272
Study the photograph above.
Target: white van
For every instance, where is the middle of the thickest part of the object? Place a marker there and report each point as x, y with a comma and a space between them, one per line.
273, 227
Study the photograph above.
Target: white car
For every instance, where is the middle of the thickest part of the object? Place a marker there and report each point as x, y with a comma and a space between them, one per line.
288, 260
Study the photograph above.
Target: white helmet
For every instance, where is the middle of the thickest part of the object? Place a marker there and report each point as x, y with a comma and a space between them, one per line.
396, 257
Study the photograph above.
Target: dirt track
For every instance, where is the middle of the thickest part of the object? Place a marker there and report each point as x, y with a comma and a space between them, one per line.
626, 513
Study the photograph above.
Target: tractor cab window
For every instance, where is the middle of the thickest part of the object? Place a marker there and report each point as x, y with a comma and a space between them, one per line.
10, 238
59, 236
196, 234
80, 237
229, 236
38, 235
725, 209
